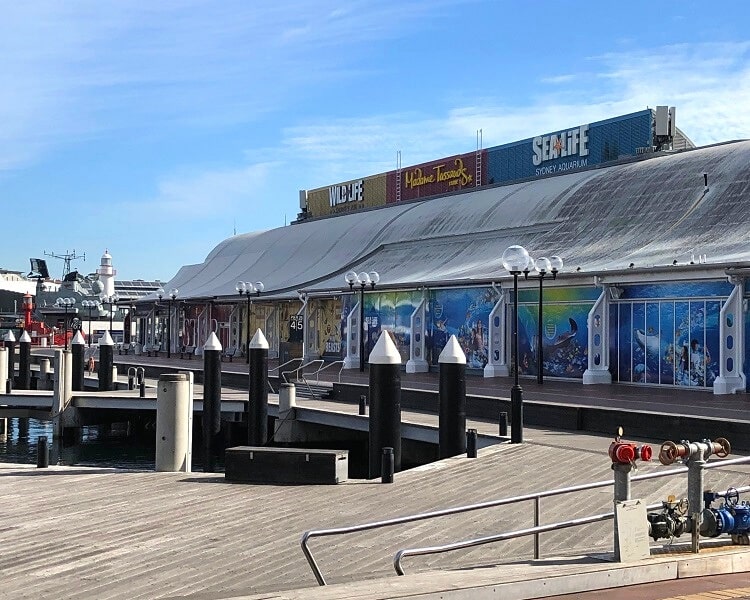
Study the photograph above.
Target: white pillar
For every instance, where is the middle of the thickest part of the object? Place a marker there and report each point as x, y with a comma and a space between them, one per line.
417, 362
310, 333
496, 364
598, 341
174, 410
3, 369
353, 331
731, 379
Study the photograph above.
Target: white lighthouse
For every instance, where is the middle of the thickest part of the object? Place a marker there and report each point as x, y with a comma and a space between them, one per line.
107, 274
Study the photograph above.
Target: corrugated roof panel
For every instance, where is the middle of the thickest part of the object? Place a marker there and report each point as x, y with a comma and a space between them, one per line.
648, 212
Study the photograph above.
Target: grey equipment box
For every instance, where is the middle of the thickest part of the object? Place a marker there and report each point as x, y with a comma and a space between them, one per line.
253, 464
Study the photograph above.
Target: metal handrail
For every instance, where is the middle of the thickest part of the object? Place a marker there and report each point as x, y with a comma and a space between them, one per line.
298, 369
317, 373
289, 362
481, 505
500, 537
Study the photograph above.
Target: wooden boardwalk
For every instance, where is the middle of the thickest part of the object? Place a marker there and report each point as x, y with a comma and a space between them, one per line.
87, 533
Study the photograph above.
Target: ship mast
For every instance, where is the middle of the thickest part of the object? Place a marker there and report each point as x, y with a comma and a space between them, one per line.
66, 258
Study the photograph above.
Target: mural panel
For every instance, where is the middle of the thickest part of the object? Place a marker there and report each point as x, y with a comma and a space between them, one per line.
668, 342
564, 339
465, 314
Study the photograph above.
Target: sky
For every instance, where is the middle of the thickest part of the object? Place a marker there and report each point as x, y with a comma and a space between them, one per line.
158, 129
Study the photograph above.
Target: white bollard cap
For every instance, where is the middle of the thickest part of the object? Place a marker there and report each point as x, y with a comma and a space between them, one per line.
452, 353
259, 341
78, 339
385, 351
212, 343
25, 337
106, 340
9, 337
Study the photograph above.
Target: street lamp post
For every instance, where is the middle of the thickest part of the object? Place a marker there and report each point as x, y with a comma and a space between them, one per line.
65, 304
90, 305
247, 288
542, 266
516, 260
160, 294
110, 301
172, 296
363, 279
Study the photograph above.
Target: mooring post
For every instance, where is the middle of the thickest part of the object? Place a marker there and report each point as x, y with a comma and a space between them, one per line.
42, 452
257, 406
10, 345
173, 423
24, 361
44, 373
452, 400
387, 467
78, 349
211, 401
503, 424
106, 359
471, 443
385, 403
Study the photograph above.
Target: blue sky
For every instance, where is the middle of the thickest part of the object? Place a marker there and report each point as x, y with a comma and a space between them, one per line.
157, 129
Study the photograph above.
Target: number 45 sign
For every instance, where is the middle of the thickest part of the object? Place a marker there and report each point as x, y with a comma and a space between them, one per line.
296, 325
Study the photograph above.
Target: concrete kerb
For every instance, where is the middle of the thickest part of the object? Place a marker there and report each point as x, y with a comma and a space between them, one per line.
534, 579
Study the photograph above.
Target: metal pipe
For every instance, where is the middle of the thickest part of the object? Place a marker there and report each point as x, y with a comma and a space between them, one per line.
537, 520
516, 393
539, 344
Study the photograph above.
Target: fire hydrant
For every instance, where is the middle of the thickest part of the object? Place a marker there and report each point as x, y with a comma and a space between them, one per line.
694, 455
623, 456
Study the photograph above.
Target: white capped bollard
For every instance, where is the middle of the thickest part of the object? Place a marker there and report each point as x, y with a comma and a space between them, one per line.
174, 408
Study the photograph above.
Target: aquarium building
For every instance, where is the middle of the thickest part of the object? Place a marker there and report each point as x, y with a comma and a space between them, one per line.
653, 233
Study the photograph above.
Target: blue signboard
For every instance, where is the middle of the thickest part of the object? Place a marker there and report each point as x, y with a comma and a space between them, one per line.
571, 149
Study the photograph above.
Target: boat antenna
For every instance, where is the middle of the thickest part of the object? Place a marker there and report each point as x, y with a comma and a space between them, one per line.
66, 258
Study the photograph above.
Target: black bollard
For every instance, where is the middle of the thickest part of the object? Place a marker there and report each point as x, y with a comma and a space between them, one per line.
24, 362
503, 424
452, 398
385, 404
211, 401
42, 453
106, 360
10, 345
363, 405
142, 389
386, 469
78, 349
131, 380
471, 443
8, 386
257, 406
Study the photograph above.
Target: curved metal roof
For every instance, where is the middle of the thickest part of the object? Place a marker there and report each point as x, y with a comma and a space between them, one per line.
647, 212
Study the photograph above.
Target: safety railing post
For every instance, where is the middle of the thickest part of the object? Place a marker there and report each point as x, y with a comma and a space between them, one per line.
537, 513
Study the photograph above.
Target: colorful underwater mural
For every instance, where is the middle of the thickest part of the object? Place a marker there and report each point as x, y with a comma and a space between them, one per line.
564, 338
667, 342
383, 310
465, 314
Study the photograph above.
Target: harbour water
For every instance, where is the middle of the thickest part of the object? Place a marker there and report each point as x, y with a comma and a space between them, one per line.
115, 448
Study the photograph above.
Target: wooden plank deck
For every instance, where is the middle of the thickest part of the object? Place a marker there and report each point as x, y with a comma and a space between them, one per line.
70, 532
